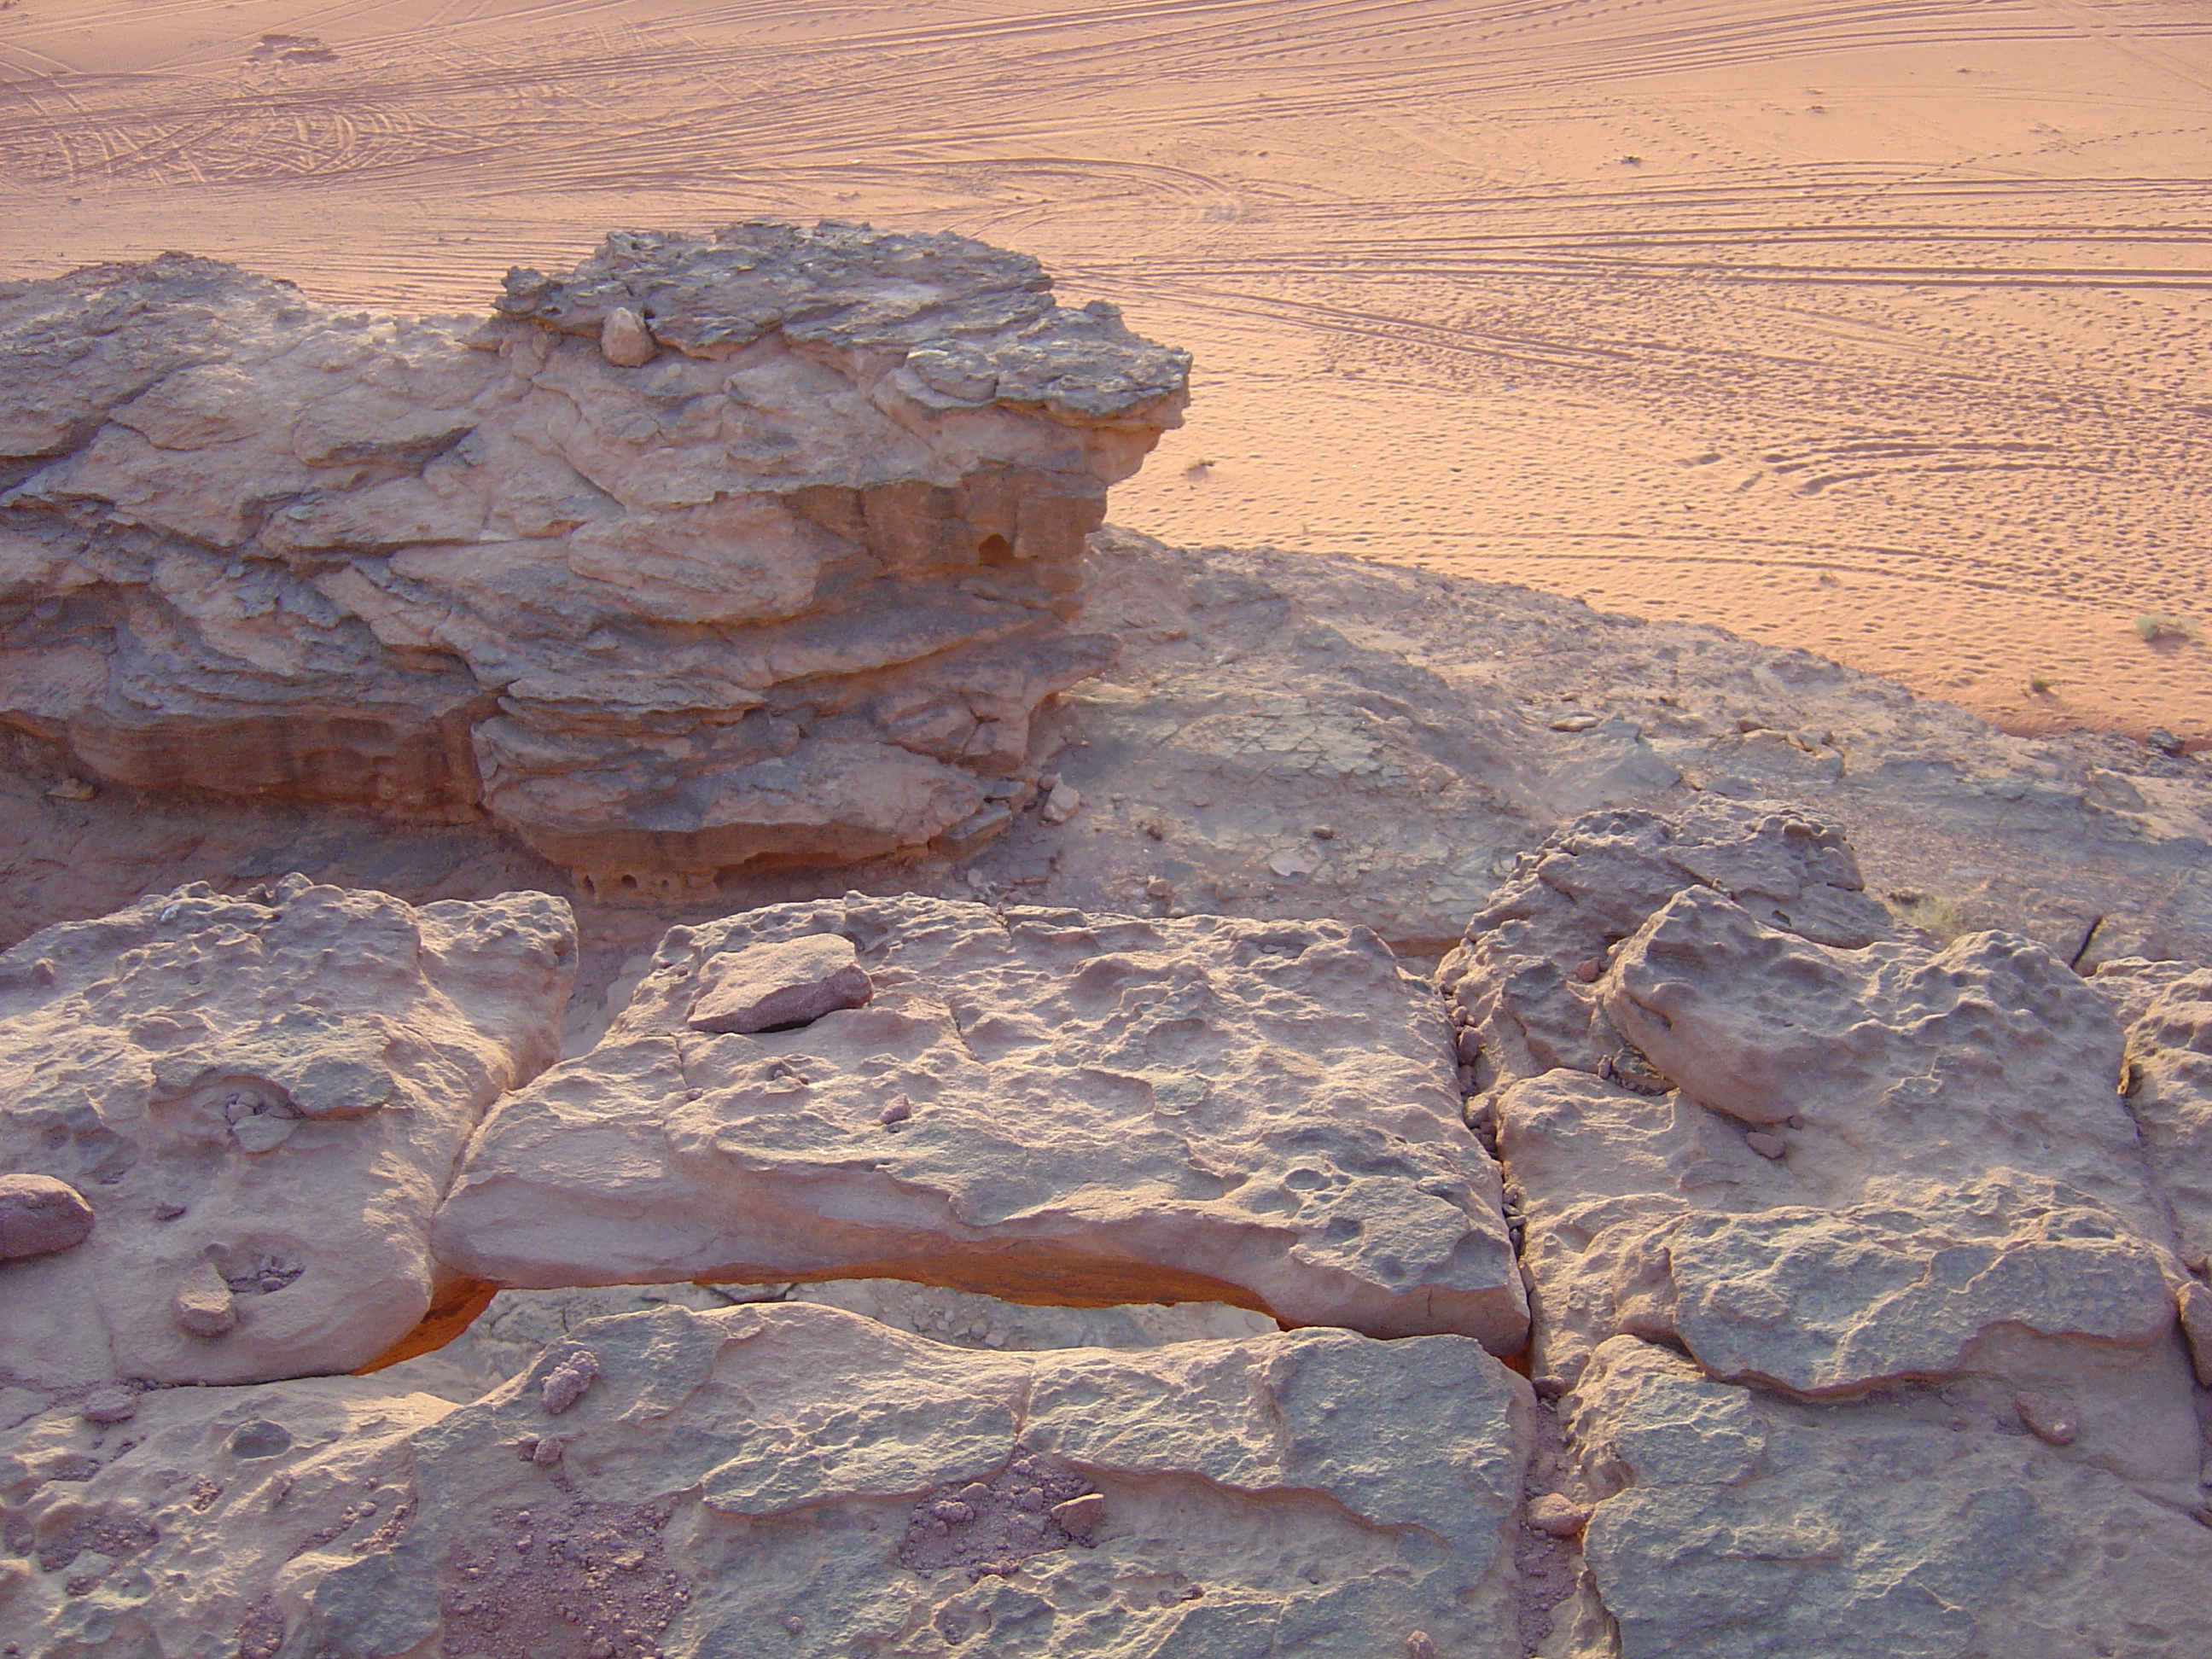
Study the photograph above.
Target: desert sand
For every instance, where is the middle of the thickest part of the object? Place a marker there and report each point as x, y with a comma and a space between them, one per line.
1877, 330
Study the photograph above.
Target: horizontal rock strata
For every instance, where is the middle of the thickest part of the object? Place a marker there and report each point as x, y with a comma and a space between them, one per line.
257, 1103
1039, 1104
802, 1481
754, 547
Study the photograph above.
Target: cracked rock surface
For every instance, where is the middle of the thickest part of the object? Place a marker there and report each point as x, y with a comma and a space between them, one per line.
1038, 1104
1855, 1266
260, 1100
779, 566
747, 1481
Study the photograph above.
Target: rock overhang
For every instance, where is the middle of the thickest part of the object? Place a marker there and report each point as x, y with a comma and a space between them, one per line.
782, 576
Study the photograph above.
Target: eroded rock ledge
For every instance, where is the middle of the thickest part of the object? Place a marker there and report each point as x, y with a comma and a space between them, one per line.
758, 547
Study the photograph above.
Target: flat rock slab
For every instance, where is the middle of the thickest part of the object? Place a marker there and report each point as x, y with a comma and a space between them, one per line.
794, 1479
773, 985
259, 1101
1733, 1524
1040, 1104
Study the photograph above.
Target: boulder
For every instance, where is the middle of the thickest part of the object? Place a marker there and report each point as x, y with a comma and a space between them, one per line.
1039, 1104
797, 1480
263, 1098
762, 546
1731, 1523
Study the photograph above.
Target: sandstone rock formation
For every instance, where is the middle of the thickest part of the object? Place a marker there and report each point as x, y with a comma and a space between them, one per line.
1035, 1103
1736, 1523
259, 1101
752, 547
1760, 1159
797, 1480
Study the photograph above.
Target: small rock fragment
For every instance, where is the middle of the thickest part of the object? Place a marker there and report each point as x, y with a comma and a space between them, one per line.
900, 1110
1765, 1145
203, 1303
1558, 1515
1079, 1517
2048, 1418
1467, 1043
109, 1405
1419, 1646
72, 789
547, 1452
1322, 832
1160, 887
625, 340
1574, 723
795, 1624
1290, 866
1061, 804
40, 1214
2194, 1301
791, 982
565, 1383
1589, 969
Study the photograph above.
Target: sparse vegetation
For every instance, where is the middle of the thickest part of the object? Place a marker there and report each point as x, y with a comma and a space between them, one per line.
2038, 685
1931, 913
2153, 628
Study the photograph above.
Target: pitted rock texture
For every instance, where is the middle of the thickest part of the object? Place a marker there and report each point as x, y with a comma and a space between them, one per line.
743, 1482
1036, 1103
1522, 982
782, 580
1876, 1159
262, 1100
1733, 1523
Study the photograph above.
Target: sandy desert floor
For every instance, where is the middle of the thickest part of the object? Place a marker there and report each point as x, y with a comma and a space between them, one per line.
1881, 327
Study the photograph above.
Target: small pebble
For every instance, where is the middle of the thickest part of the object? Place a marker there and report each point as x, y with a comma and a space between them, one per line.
565, 1383
1589, 969
1419, 1646
1574, 723
795, 1624
898, 1111
1079, 1517
1322, 832
1764, 1145
1557, 1515
2049, 1419
1160, 887
112, 1405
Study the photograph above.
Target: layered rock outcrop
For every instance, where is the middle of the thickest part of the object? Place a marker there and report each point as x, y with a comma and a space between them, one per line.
238, 1115
717, 550
1039, 1104
802, 1481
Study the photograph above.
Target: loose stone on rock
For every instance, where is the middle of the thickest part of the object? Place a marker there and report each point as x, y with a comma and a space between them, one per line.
565, 1383
39, 1215
203, 1303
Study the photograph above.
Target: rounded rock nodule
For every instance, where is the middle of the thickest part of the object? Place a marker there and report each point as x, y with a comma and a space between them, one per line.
39, 1215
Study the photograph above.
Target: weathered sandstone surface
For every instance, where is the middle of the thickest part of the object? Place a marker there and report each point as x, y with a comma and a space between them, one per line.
1034, 1103
255, 1105
1855, 1265
1735, 1523
752, 547
796, 1479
